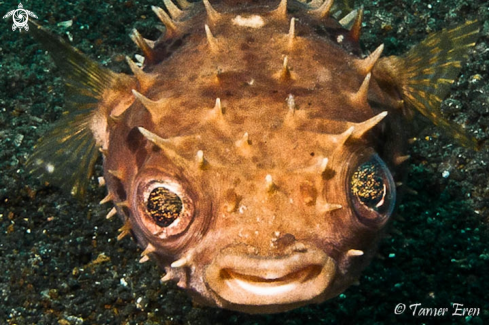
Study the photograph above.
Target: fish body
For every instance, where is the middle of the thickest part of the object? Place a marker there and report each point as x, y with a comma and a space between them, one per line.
255, 154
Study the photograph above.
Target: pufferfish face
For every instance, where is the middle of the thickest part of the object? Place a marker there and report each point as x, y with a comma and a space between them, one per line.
259, 221
251, 168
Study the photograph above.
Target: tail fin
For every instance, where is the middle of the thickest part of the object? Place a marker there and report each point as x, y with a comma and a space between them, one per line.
425, 74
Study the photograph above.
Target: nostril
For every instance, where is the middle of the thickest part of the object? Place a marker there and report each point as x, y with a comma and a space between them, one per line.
285, 241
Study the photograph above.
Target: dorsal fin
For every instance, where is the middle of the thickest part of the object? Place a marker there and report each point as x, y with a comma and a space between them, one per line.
65, 156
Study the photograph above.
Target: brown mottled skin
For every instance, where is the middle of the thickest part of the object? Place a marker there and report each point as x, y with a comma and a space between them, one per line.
260, 136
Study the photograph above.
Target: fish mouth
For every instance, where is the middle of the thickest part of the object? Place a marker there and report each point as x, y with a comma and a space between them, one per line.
291, 280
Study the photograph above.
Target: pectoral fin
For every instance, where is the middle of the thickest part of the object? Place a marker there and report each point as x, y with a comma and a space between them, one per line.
424, 75
65, 156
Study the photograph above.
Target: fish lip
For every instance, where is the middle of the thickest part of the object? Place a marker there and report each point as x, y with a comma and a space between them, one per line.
294, 279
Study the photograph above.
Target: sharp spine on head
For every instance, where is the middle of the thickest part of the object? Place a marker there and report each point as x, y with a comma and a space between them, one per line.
243, 142
354, 252
246, 139
323, 165
328, 207
184, 4
361, 96
111, 213
166, 278
107, 199
125, 229
291, 34
112, 121
143, 45
366, 65
341, 139
217, 111
174, 11
201, 162
291, 103
170, 25
123, 204
401, 159
180, 263
211, 39
103, 151
212, 14
319, 167
164, 144
269, 184
285, 73
231, 200
323, 10
152, 106
144, 259
362, 128
116, 173
101, 180
137, 71
144, 79
347, 21
281, 11
149, 249
356, 29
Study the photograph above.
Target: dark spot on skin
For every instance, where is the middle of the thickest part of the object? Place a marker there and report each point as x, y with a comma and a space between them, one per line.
328, 174
134, 140
285, 241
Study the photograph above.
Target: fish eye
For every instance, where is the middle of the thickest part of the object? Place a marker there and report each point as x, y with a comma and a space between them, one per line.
164, 206
165, 209
372, 191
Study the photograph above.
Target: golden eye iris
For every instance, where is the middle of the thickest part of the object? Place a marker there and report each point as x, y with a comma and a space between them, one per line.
164, 206
372, 192
367, 184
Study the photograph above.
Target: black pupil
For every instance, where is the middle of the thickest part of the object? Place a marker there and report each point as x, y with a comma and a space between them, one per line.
164, 206
367, 185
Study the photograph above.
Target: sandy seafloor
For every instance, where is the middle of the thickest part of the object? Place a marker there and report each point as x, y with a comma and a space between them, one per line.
51, 267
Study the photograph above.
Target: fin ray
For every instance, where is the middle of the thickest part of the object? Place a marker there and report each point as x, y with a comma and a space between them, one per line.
425, 74
66, 155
